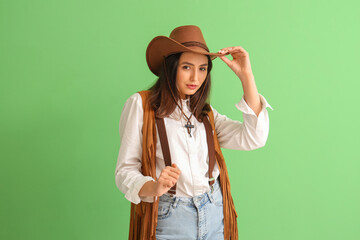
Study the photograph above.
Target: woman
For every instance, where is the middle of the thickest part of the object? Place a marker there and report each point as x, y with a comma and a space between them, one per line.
170, 164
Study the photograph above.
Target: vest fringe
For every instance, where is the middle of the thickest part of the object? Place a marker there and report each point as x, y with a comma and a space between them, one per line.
143, 216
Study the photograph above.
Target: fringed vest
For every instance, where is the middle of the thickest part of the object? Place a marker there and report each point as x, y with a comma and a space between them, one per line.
143, 218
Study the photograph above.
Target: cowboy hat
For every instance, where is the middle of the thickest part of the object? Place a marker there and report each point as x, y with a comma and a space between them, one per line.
188, 38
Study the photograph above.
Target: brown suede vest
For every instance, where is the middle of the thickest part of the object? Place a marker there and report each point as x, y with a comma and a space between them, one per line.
143, 218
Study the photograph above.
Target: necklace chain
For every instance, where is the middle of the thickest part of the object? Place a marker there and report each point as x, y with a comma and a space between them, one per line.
188, 124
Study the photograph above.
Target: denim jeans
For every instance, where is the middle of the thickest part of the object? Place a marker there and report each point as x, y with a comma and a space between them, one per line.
191, 218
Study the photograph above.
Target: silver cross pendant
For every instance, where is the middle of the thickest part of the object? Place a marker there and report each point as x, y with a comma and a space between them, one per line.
189, 126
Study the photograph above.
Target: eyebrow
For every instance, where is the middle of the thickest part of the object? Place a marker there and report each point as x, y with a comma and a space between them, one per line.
205, 64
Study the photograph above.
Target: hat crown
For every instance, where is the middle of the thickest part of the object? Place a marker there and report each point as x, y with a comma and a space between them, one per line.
189, 35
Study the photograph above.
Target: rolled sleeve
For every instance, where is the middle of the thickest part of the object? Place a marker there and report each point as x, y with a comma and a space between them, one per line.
242, 105
133, 193
249, 114
250, 134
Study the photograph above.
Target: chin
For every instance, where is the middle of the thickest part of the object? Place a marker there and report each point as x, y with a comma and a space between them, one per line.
190, 93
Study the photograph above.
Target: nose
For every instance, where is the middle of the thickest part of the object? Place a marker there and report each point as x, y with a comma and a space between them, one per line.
194, 75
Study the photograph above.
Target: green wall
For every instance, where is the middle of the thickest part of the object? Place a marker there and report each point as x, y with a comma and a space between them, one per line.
67, 67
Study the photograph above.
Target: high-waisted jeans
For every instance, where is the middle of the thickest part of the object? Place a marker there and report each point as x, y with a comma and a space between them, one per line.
191, 218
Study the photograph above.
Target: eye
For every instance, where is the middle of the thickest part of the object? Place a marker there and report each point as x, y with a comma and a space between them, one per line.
184, 67
204, 69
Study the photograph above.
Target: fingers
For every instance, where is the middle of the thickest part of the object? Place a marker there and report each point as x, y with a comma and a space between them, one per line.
230, 49
233, 50
175, 168
166, 182
226, 60
171, 171
169, 175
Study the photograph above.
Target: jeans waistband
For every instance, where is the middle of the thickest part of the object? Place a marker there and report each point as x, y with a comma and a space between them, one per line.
191, 200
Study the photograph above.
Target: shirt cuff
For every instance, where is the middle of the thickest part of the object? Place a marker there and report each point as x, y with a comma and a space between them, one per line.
242, 106
133, 194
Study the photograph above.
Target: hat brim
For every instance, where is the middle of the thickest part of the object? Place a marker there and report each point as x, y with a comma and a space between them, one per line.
162, 46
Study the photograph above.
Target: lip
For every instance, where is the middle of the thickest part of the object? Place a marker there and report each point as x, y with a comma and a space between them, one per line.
191, 86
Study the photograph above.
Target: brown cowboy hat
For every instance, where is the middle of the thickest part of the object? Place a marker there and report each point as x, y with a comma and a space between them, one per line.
188, 38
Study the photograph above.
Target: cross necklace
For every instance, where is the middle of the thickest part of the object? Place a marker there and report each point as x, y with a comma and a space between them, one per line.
188, 124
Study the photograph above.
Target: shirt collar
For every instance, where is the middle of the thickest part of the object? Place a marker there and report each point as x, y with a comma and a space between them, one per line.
185, 103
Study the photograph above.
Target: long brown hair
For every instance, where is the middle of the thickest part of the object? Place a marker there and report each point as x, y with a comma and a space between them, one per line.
161, 99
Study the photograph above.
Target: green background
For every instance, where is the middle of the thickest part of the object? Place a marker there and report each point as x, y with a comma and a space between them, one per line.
68, 66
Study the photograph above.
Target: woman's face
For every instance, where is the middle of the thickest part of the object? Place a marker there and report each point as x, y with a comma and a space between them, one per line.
191, 73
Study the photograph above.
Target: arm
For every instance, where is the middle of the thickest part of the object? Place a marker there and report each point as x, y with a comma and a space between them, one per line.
253, 132
128, 176
250, 134
240, 65
251, 95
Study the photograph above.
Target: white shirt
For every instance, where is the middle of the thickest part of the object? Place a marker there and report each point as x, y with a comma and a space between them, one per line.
189, 153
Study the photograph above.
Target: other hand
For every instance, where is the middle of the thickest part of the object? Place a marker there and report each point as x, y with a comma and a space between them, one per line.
167, 179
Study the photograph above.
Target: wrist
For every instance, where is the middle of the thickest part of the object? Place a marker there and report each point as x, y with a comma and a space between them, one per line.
246, 77
148, 189
154, 189
247, 80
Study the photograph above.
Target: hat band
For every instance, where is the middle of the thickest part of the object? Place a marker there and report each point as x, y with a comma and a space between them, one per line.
195, 43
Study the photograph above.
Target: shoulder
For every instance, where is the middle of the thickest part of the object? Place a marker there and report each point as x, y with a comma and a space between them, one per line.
135, 97
139, 95
144, 94
139, 98
134, 101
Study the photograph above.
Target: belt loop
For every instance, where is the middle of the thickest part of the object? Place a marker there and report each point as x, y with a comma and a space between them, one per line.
175, 202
